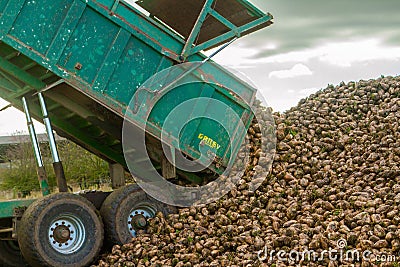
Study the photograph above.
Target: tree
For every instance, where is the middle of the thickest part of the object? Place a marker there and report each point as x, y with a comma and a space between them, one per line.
81, 167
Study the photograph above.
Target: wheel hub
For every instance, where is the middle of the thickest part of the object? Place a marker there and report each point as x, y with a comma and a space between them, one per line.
67, 234
61, 234
139, 221
138, 218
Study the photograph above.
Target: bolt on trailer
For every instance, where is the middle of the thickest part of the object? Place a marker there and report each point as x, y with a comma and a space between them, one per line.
81, 67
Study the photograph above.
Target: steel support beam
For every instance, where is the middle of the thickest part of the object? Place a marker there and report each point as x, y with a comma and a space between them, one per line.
196, 29
230, 34
21, 75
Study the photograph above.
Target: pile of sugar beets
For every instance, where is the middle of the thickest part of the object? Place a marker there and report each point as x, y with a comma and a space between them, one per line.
334, 185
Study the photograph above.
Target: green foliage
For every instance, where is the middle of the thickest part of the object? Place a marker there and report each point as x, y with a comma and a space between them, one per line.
293, 132
80, 166
22, 173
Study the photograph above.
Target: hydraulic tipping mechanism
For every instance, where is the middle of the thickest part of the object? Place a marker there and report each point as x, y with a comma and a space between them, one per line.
57, 164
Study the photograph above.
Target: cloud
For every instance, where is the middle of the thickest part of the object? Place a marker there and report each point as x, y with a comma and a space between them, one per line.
343, 54
238, 55
296, 71
308, 91
13, 120
346, 53
312, 23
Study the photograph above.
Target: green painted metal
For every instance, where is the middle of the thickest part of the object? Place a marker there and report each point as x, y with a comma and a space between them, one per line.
224, 21
114, 6
190, 49
44, 185
7, 207
8, 83
9, 14
86, 138
24, 77
231, 34
65, 30
104, 75
196, 28
142, 27
95, 54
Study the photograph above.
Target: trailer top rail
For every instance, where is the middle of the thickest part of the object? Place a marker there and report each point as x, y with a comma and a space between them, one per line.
207, 24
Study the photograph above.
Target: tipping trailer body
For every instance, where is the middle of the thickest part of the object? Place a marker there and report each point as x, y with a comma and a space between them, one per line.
90, 59
90, 56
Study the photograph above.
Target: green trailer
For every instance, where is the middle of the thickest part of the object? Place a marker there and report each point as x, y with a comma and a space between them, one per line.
88, 65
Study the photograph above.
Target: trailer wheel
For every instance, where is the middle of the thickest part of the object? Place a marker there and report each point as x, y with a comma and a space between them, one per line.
126, 210
60, 230
10, 254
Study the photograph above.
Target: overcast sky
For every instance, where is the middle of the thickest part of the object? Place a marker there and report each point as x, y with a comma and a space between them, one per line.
315, 43
310, 45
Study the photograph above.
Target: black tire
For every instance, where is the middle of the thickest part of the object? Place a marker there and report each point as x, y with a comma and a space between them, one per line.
10, 254
51, 222
118, 207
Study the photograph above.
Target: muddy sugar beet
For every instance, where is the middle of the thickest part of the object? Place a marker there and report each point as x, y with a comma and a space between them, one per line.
335, 177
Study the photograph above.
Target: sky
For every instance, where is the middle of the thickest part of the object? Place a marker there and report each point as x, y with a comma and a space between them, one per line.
315, 43
310, 45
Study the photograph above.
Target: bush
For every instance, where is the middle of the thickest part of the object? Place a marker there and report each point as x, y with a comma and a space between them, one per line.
80, 166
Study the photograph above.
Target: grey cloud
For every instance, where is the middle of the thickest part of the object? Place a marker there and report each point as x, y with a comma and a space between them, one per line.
282, 94
307, 23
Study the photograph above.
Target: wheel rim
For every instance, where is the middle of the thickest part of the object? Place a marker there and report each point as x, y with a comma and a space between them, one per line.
138, 217
67, 234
